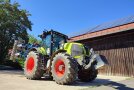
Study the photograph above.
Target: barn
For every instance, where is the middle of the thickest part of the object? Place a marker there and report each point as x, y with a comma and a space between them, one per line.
114, 40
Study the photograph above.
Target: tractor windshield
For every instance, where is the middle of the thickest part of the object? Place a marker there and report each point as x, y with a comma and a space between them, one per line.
58, 41
47, 41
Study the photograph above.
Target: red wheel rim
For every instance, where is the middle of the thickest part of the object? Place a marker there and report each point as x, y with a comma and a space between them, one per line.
59, 68
30, 64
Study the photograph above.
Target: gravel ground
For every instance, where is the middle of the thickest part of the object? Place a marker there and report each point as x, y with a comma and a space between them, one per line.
15, 80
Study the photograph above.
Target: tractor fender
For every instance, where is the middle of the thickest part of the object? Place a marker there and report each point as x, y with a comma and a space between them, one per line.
39, 50
61, 50
33, 49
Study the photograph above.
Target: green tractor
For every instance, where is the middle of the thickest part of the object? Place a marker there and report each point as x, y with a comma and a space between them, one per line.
61, 60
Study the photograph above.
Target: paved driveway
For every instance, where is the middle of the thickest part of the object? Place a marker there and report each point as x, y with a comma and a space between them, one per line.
15, 80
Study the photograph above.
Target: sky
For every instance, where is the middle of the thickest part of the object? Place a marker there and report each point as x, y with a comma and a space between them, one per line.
72, 16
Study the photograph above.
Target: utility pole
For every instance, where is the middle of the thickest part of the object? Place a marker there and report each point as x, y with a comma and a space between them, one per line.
12, 57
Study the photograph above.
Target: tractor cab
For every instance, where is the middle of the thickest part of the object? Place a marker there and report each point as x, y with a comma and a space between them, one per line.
52, 41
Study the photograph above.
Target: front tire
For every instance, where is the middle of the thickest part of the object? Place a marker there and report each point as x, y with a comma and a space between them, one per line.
87, 75
32, 66
64, 69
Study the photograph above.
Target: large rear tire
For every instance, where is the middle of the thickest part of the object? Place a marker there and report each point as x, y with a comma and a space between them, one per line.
32, 66
87, 75
64, 69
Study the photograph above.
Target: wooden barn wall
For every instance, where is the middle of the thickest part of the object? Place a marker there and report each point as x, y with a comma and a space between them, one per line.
119, 51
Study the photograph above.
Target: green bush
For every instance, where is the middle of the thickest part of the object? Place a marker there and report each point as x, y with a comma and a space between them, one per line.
20, 61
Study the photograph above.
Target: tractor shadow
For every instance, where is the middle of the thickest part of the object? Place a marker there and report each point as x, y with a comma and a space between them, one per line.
102, 82
96, 83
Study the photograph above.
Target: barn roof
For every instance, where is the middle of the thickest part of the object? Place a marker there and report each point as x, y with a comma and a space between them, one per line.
107, 25
120, 25
112, 24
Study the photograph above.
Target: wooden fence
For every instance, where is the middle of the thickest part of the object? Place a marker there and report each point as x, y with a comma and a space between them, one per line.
119, 51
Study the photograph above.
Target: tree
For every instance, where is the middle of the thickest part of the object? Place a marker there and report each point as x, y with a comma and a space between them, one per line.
14, 23
33, 39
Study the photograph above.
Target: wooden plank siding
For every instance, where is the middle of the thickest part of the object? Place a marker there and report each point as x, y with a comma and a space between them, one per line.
119, 51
